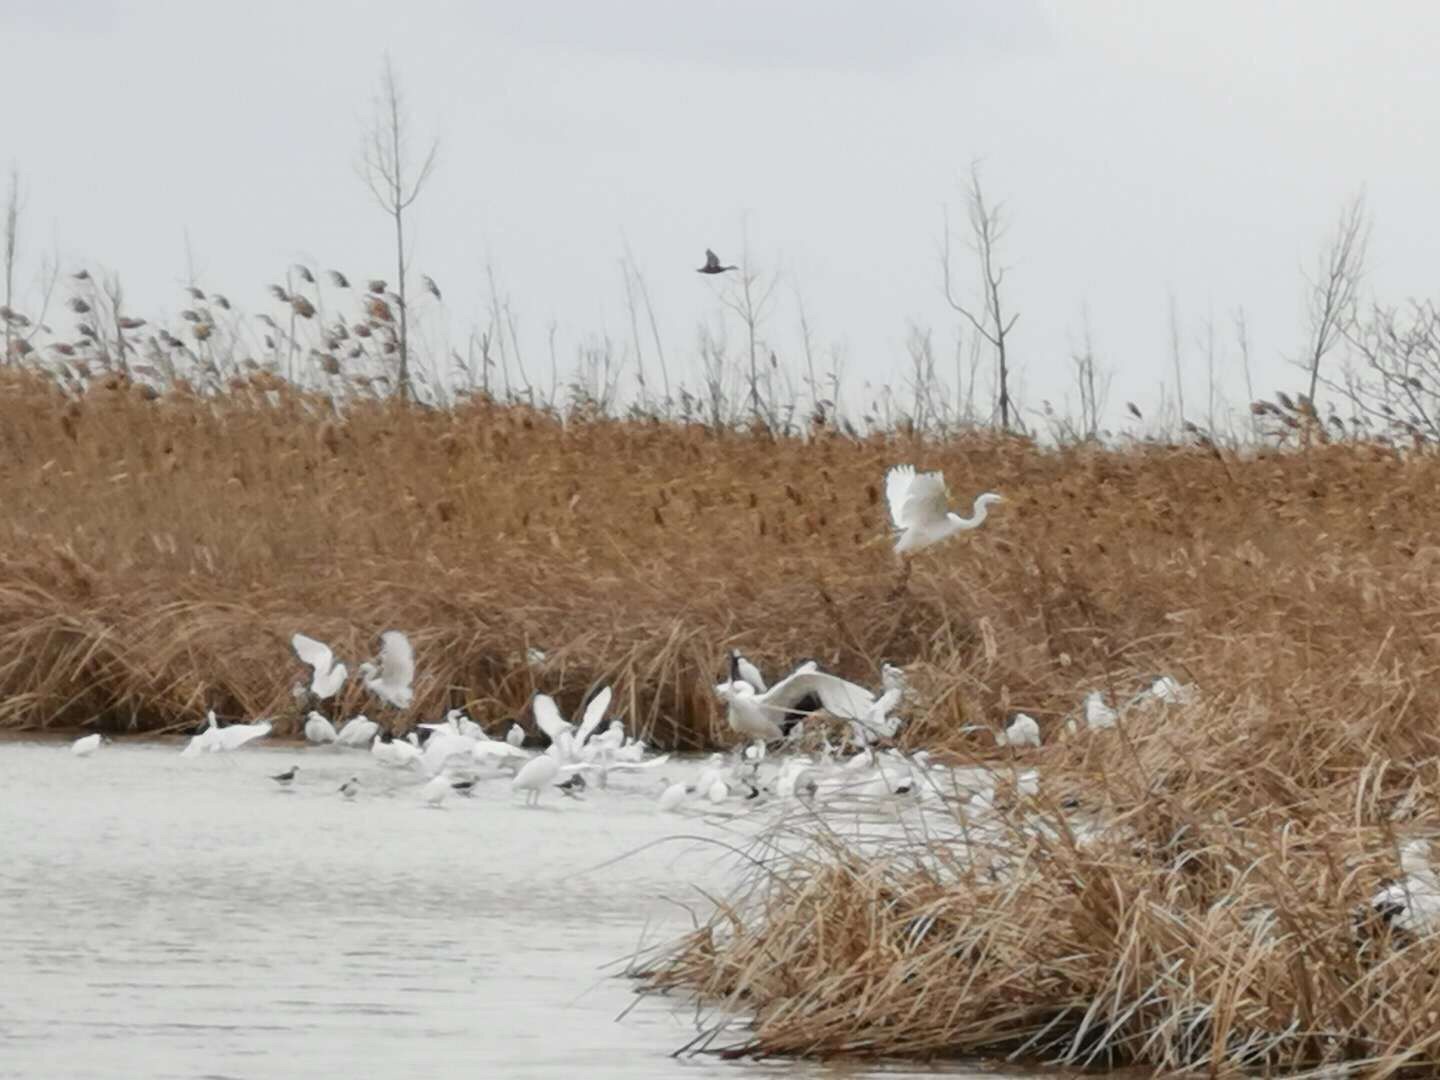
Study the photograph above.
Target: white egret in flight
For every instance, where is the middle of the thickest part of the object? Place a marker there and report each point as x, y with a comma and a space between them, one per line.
757, 716
327, 676
919, 511
391, 680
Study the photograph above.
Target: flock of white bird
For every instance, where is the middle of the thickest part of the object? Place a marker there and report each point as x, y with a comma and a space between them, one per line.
448, 753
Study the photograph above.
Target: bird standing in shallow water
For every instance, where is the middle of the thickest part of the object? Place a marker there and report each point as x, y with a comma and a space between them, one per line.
573, 786
86, 745
712, 264
284, 778
350, 788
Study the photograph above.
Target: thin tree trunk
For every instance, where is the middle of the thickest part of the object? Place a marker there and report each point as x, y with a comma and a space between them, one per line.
404, 307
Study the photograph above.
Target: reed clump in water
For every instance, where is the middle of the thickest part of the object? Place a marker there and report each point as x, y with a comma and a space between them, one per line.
158, 550
1219, 920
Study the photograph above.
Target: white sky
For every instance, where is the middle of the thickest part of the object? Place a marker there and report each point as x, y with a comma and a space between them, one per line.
1141, 149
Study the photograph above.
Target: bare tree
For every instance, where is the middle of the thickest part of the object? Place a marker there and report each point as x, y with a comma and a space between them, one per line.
987, 228
749, 296
1332, 293
1176, 358
1092, 384
395, 177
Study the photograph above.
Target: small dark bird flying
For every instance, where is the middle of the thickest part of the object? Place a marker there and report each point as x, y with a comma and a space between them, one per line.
712, 264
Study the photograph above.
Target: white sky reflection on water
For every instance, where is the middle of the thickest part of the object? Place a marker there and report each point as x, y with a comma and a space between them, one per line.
162, 917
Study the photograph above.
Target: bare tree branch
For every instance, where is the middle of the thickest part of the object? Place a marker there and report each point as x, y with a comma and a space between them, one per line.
1333, 291
987, 228
395, 181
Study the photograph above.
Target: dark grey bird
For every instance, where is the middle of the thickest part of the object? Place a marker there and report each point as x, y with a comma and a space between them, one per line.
573, 786
712, 264
464, 787
284, 778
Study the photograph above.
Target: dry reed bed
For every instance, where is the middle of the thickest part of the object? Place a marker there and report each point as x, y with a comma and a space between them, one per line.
157, 554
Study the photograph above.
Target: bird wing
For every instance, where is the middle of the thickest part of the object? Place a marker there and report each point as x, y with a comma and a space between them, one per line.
314, 653
925, 500
327, 686
840, 697
441, 748
547, 715
594, 713
897, 489
620, 765
397, 658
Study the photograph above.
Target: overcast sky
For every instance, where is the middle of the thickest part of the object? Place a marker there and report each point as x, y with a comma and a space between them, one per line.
1143, 150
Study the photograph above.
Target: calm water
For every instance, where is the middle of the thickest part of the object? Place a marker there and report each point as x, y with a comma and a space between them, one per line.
162, 917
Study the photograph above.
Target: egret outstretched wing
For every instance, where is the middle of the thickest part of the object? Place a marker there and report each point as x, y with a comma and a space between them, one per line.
314, 653
397, 659
925, 501
620, 765
547, 715
897, 489
841, 698
441, 748
594, 713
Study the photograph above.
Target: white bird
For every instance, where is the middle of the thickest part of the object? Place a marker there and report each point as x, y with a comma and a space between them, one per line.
202, 743
1098, 714
318, 729
538, 773
515, 736
534, 657
624, 766
1168, 691
671, 797
86, 745
215, 739
714, 769
493, 751
548, 718
757, 716
436, 790
350, 787
878, 720
919, 512
1023, 731
742, 668
237, 735
594, 713
440, 748
391, 681
1412, 903
397, 753
327, 676
358, 731
718, 791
